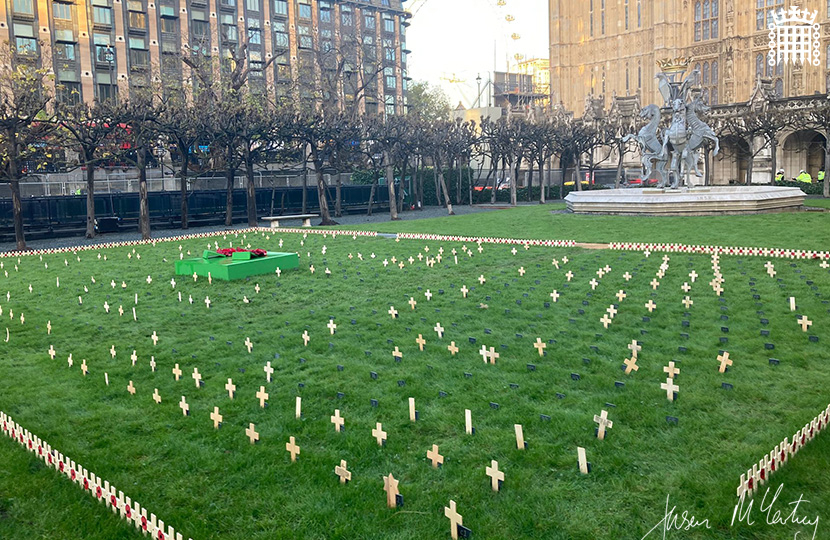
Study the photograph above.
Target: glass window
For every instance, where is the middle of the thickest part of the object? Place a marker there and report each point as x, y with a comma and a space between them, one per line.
138, 43
347, 19
389, 25
68, 92
779, 88
369, 21
391, 82
138, 20
200, 29
23, 30
255, 36
280, 40
325, 11
626, 14
139, 58
706, 19
389, 54
65, 51
25, 7
370, 40
62, 11
253, 5
25, 46
167, 11
281, 7
170, 26
639, 14
230, 32
305, 11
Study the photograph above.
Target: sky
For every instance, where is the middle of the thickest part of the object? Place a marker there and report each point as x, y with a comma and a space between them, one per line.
455, 39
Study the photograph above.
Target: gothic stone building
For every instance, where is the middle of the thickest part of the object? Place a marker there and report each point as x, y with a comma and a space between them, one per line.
606, 48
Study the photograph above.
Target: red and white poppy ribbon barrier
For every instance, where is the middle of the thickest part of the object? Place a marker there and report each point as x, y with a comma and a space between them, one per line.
761, 471
104, 492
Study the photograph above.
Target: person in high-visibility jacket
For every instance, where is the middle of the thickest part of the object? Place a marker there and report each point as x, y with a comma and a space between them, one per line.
820, 176
805, 177
779, 176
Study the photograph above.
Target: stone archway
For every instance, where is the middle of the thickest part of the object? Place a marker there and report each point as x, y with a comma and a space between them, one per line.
802, 150
732, 163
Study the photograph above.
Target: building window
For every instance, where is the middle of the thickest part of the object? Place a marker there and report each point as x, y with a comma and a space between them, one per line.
139, 58
602, 17
706, 19
254, 36
346, 18
325, 11
68, 93
627, 87
639, 14
62, 11
626, 14
389, 102
763, 12
639, 77
138, 20
389, 54
369, 21
230, 32
170, 26
709, 81
281, 7
25, 46
305, 11
200, 29
591, 17
389, 25
305, 36
24, 7
102, 15
65, 51
280, 35
252, 5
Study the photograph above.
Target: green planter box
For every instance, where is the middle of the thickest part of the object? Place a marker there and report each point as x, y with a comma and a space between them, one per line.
238, 266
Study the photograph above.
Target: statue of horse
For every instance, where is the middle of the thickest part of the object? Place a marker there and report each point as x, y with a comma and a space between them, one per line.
678, 136
651, 148
699, 133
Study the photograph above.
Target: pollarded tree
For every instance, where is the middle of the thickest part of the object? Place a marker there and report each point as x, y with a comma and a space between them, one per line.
25, 121
539, 140
757, 124
87, 129
818, 118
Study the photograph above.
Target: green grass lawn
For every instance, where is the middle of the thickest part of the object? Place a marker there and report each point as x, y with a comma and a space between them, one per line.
214, 484
800, 230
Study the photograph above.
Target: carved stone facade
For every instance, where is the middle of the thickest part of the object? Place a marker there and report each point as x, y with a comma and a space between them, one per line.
608, 47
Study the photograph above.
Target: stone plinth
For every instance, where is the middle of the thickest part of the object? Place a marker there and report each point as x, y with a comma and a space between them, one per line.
698, 201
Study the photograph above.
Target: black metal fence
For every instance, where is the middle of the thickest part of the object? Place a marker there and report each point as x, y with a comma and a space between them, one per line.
55, 216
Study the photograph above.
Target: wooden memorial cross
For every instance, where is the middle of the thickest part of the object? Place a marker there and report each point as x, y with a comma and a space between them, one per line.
252, 434
685, 287
112, 351
196, 377
522, 271
338, 421
627, 276
824, 265
207, 302
481, 279
670, 388
269, 371
604, 423
397, 354
582, 460
436, 458
216, 417
687, 302
306, 338
51, 352
439, 330
569, 275
651, 306
177, 372
724, 362
421, 342
671, 371
131, 388
331, 326
464, 291
554, 296
184, 407
392, 311
412, 412
769, 266
453, 515
520, 438
605, 320
84, 369
134, 357
804, 322
230, 387
468, 421
631, 364
593, 284
621, 295
693, 276
342, 472
654, 284
612, 311
412, 302
634, 347
249, 344
452, 348
792, 303
292, 448
298, 407
496, 476
156, 396
390, 486
262, 396
379, 434
428, 294
155, 338
540, 346
600, 273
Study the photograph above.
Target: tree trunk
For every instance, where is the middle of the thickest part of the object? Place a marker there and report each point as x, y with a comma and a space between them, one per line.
251, 194
390, 184
90, 195
321, 194
496, 179
749, 163
458, 183
338, 198
578, 179
530, 179
446, 192
621, 152
470, 184
435, 177
230, 174
372, 191
542, 181
515, 181
401, 190
144, 208
17, 209
707, 171
305, 183
773, 148
183, 185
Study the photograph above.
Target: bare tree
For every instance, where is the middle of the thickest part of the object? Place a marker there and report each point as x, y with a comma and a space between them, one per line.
757, 125
818, 118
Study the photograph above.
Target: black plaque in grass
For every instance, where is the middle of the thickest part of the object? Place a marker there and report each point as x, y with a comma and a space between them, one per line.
519, 336
340, 395
774, 361
764, 321
374, 402
339, 367
401, 383
373, 375
769, 346
441, 393
724, 317
560, 395
368, 353
764, 333
575, 376
724, 329
544, 417
724, 308
684, 335
468, 375
685, 324
494, 405
472, 340
724, 340
672, 420
814, 339
531, 367
514, 386
488, 331
646, 319
584, 302
595, 348
727, 386
581, 311
619, 384
681, 349
586, 361
610, 405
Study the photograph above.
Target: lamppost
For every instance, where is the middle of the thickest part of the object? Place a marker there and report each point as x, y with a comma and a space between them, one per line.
478, 81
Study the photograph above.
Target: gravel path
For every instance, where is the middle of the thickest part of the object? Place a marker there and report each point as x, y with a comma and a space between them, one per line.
354, 219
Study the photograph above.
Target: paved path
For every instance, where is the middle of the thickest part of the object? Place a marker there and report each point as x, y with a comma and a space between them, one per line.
352, 219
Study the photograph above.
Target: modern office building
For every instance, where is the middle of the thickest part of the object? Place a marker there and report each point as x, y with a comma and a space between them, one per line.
103, 48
